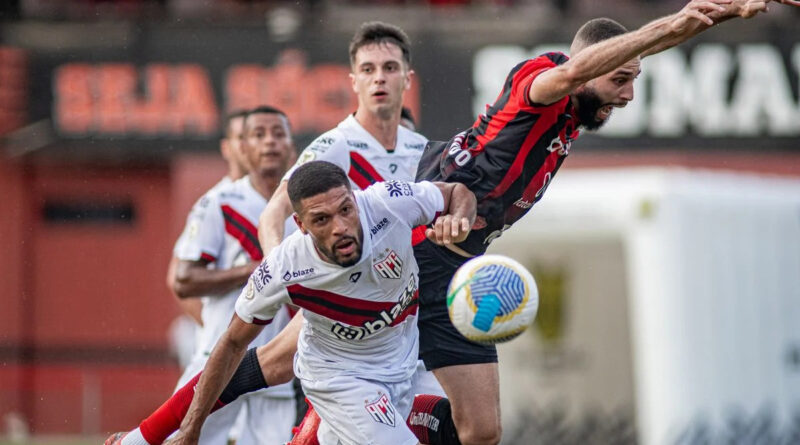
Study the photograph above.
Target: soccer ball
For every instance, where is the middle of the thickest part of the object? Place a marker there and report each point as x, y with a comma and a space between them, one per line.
492, 299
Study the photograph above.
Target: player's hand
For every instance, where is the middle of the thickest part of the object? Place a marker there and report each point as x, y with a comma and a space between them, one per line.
789, 2
449, 229
750, 8
697, 10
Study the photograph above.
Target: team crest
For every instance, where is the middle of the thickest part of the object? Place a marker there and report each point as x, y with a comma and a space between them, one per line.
381, 410
390, 267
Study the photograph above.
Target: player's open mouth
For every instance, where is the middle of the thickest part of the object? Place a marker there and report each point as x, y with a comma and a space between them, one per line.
604, 112
380, 94
345, 247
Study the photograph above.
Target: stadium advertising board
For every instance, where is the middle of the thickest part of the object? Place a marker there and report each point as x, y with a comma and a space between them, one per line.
714, 90
165, 86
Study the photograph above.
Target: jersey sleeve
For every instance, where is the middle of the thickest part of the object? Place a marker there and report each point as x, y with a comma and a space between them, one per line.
203, 237
263, 295
330, 147
415, 203
530, 69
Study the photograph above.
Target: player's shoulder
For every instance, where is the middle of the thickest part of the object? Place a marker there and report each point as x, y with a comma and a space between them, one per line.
331, 138
410, 140
235, 191
387, 194
208, 198
541, 62
293, 260
353, 134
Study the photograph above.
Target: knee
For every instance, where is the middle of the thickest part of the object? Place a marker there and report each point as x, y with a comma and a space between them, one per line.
477, 431
275, 365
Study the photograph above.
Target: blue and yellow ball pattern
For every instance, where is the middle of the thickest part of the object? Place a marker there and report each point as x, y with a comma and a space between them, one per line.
492, 299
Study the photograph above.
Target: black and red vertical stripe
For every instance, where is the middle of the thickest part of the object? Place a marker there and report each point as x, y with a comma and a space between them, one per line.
243, 230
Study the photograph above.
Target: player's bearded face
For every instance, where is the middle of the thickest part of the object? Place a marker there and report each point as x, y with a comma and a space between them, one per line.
597, 98
380, 78
589, 108
331, 218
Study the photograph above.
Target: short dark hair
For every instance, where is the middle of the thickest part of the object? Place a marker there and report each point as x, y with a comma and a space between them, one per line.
314, 178
379, 32
265, 109
226, 132
597, 30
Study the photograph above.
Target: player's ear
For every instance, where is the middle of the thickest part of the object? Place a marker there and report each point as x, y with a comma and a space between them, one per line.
409, 78
299, 224
353, 82
224, 148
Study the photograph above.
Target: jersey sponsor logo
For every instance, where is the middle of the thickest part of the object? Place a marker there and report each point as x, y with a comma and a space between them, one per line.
380, 225
358, 144
393, 168
397, 188
414, 146
262, 276
405, 305
424, 419
560, 146
324, 140
354, 277
231, 195
521, 203
381, 410
391, 266
297, 273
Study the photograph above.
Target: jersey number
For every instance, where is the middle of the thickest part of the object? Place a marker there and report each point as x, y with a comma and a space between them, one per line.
460, 155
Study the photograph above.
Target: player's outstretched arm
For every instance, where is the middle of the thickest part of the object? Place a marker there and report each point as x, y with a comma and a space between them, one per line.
222, 363
272, 219
194, 279
737, 8
460, 209
603, 57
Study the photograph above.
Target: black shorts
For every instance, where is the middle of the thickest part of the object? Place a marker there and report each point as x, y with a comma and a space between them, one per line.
440, 344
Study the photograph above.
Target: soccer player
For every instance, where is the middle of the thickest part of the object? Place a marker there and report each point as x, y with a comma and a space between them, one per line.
508, 158
351, 268
219, 252
372, 144
231, 152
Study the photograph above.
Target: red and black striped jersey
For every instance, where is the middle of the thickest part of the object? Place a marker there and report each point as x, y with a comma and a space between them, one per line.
509, 155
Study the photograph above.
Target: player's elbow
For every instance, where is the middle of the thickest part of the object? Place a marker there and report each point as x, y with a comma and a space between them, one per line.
182, 284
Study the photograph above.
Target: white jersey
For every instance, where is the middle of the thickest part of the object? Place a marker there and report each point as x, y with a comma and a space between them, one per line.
198, 209
362, 157
223, 231
360, 320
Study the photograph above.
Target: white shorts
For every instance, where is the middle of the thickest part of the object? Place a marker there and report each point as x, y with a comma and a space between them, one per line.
356, 411
424, 382
269, 420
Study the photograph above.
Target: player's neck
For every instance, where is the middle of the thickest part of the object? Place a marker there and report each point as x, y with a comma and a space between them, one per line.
264, 185
383, 130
